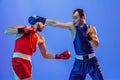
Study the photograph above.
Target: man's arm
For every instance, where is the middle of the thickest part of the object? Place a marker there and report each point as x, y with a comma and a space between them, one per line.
13, 29
55, 23
20, 30
33, 19
42, 46
43, 50
93, 34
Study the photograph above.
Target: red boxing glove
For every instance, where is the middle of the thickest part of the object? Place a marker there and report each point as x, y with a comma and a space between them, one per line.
29, 30
65, 55
26, 30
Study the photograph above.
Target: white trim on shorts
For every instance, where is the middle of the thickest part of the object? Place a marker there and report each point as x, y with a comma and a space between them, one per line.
80, 57
21, 55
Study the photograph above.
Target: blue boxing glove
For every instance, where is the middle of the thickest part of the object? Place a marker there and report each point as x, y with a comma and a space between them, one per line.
33, 19
84, 30
89, 37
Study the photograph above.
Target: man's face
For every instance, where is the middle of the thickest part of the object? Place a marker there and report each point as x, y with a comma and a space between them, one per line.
76, 18
40, 26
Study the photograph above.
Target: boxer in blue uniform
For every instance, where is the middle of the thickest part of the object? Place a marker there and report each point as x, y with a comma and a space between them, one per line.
84, 40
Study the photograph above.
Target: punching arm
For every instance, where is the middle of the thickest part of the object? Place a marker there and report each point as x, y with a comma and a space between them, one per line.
55, 23
42, 46
33, 19
43, 49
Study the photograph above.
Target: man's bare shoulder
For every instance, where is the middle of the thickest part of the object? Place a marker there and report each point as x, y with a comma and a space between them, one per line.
93, 29
70, 25
41, 38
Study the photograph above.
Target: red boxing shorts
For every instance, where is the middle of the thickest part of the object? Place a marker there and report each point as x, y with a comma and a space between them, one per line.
22, 67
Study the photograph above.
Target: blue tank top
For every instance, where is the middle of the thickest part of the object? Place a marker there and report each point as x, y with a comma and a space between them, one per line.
81, 44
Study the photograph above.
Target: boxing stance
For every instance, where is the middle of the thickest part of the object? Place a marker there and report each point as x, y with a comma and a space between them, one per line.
25, 45
84, 40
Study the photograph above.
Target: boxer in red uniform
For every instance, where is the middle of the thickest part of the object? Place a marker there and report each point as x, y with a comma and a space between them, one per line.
26, 41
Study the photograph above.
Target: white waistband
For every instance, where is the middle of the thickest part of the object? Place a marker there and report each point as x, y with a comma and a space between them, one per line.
21, 55
81, 57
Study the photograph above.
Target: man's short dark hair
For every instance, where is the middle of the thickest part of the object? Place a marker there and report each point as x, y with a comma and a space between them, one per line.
80, 11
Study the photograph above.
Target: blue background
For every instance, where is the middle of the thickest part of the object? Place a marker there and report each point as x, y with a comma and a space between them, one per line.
104, 14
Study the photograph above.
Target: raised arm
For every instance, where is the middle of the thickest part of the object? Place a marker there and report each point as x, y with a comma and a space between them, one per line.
13, 29
20, 30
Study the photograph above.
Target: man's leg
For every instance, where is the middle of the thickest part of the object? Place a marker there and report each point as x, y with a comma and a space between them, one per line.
96, 72
78, 72
17, 78
77, 77
22, 69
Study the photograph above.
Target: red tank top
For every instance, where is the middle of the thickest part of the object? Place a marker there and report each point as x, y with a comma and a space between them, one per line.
27, 43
